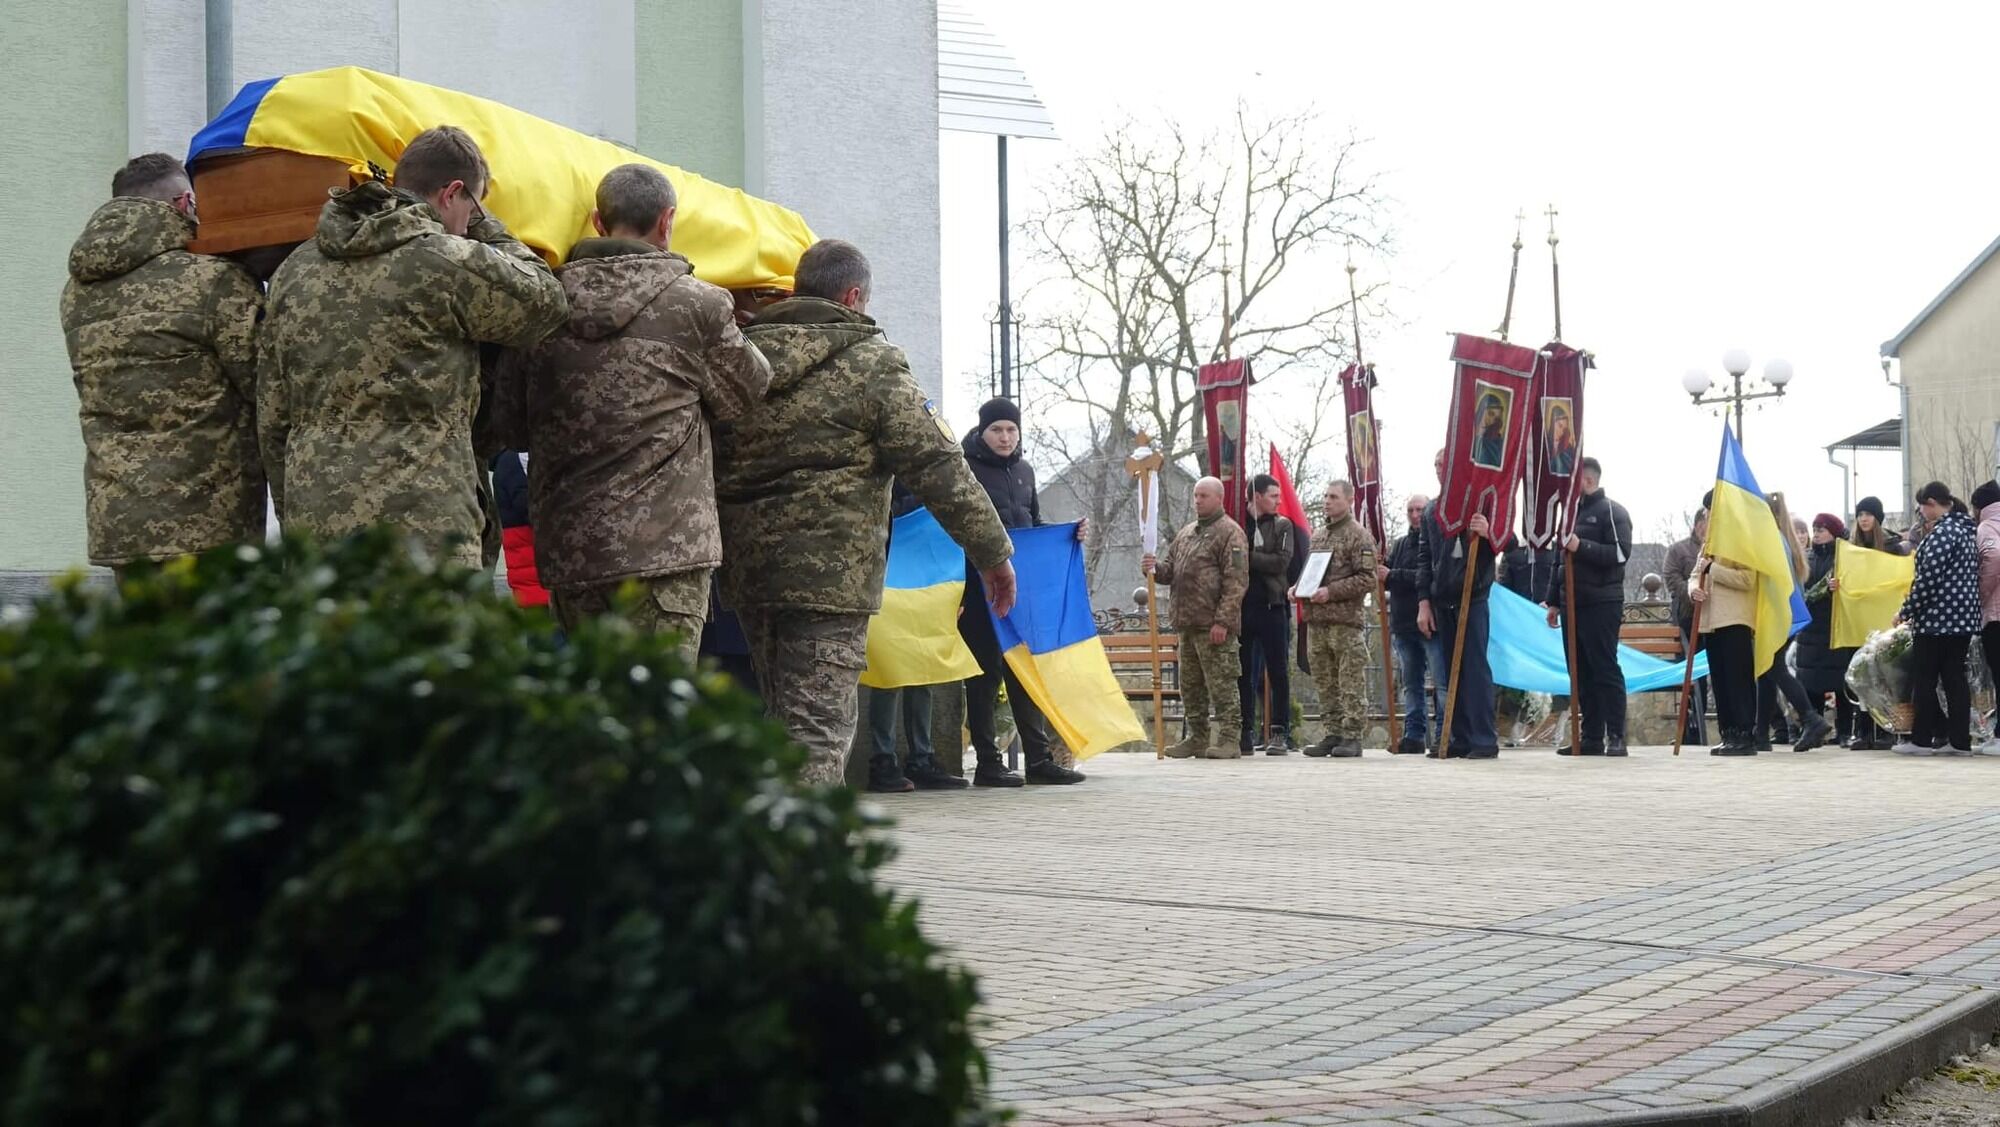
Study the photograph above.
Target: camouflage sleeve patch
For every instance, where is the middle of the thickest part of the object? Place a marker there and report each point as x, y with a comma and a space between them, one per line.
931, 409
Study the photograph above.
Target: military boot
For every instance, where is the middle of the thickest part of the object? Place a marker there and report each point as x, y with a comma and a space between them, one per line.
1195, 744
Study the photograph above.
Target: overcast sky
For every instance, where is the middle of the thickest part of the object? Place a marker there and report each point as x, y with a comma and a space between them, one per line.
1797, 181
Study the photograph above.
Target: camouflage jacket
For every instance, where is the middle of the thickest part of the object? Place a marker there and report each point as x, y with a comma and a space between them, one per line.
162, 344
1208, 568
612, 409
368, 367
802, 479
1350, 573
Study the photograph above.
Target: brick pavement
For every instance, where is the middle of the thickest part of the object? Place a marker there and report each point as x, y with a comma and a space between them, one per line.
1402, 941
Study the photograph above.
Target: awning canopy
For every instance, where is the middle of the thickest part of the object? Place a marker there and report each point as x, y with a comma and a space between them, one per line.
1887, 435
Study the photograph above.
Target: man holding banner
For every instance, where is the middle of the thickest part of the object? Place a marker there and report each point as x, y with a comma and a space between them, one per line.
1596, 550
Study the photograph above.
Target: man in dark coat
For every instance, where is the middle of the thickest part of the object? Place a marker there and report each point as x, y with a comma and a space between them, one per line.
1416, 655
1267, 619
993, 450
1441, 564
1597, 548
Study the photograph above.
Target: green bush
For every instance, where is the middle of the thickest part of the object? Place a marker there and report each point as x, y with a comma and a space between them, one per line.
326, 836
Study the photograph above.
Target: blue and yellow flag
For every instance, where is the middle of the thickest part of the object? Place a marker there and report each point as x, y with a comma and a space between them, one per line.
1050, 641
914, 639
543, 176
1742, 531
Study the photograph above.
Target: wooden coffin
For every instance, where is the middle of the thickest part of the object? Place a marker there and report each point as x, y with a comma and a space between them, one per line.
258, 204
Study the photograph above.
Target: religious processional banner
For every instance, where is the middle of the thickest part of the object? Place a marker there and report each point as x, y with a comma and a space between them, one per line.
1050, 641
1555, 444
1486, 440
1364, 450
1225, 401
543, 176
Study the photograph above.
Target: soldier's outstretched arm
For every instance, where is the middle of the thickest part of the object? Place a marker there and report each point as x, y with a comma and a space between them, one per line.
913, 446
505, 293
737, 375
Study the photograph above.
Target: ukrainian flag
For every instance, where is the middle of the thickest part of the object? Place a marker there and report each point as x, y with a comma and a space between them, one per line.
1873, 586
1050, 641
913, 639
1742, 530
543, 176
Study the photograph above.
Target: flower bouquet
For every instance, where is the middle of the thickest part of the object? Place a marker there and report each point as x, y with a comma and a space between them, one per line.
1880, 678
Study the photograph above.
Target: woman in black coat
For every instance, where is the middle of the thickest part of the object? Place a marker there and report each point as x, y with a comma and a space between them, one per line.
993, 450
1823, 669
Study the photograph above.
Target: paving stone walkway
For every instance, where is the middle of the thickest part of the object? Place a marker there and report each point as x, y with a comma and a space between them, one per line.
1395, 940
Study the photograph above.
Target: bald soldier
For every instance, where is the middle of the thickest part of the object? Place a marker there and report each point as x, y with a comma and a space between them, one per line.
1207, 570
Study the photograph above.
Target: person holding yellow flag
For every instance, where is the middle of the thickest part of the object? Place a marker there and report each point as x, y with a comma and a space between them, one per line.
1871, 578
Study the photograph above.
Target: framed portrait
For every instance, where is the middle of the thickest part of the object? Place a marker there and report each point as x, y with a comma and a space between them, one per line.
1493, 409
1558, 436
1361, 446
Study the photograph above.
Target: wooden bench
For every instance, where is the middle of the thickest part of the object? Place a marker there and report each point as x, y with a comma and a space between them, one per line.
1130, 653
1654, 639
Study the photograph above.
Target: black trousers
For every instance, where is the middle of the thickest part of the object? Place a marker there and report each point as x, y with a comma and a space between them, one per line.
1939, 660
982, 693
1779, 681
1731, 673
1989, 640
1600, 683
1266, 649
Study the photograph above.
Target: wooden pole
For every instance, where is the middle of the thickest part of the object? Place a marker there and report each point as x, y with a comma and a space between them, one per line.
1687, 678
1153, 636
1142, 465
1458, 643
1555, 271
1569, 636
1388, 663
1363, 372
1513, 275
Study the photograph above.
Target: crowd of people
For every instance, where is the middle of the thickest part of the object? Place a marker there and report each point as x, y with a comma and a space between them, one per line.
739, 463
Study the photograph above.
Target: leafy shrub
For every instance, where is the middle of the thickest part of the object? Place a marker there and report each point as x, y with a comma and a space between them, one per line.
326, 836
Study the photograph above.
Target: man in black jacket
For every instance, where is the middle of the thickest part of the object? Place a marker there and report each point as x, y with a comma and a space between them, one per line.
1416, 655
1597, 549
1441, 562
1267, 619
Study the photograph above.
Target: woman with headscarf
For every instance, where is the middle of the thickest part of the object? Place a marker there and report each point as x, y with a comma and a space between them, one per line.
1823, 669
1778, 681
993, 449
1943, 611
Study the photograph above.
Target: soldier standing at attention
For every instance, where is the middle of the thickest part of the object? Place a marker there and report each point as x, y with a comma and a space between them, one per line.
1337, 647
615, 409
162, 344
802, 485
1207, 570
368, 368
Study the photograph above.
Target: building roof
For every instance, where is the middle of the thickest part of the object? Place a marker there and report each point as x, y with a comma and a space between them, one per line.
1885, 435
1894, 345
981, 89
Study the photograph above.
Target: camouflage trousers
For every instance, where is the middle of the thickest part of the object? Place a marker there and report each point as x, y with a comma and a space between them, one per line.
809, 668
1339, 657
677, 602
1208, 680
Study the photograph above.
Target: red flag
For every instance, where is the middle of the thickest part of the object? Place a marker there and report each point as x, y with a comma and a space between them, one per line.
1485, 444
1225, 400
1364, 450
1555, 445
1288, 503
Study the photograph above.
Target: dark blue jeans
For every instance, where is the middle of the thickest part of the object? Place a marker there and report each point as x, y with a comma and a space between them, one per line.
914, 704
1472, 718
1266, 647
1416, 658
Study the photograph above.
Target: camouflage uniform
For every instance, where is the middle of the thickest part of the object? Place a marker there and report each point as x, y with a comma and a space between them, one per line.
1337, 646
162, 344
615, 408
802, 482
1207, 568
368, 367
676, 603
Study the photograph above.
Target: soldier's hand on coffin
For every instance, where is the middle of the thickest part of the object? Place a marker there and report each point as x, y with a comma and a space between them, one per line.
1426, 624
1000, 587
1570, 544
1217, 634
1478, 526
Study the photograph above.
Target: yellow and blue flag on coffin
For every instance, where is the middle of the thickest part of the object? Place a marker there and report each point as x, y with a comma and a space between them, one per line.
543, 177
1742, 530
1873, 586
913, 639
1050, 642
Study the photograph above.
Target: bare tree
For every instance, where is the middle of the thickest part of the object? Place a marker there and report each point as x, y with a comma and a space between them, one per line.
1141, 239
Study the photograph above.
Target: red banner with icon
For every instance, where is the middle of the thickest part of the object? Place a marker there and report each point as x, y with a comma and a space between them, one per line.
1225, 401
1364, 450
1555, 446
1486, 440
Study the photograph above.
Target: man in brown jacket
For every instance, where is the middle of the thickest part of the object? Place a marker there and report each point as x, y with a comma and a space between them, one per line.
615, 407
1207, 569
1336, 644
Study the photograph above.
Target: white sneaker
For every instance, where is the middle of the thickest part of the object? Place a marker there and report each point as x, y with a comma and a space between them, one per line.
1990, 747
1910, 747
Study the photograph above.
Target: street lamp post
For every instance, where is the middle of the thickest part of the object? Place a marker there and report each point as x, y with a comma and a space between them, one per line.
1777, 373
